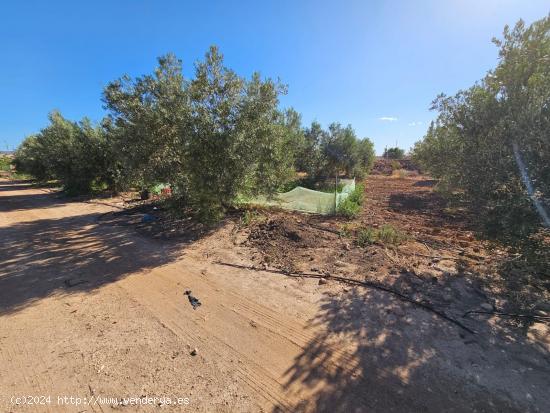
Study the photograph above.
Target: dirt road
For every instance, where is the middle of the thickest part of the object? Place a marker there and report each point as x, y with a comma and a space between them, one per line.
92, 310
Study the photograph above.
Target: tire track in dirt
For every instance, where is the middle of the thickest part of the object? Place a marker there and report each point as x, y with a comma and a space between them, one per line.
281, 338
210, 336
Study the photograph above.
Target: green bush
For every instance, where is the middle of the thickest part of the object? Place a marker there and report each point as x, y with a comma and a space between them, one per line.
350, 207
385, 235
366, 236
358, 194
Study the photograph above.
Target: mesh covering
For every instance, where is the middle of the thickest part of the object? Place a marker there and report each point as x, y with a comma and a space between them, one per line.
308, 200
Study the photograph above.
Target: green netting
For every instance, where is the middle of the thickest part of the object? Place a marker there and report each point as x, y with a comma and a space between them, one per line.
308, 200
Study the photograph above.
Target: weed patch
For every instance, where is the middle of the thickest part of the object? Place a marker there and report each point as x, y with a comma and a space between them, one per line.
385, 235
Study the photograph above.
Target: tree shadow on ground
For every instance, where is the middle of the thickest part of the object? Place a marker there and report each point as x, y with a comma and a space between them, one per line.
15, 185
43, 195
29, 201
418, 202
371, 352
431, 207
69, 255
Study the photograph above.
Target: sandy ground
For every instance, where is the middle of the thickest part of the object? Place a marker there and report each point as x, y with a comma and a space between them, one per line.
91, 309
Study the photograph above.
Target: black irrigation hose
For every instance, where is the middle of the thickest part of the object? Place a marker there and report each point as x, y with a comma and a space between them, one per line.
428, 307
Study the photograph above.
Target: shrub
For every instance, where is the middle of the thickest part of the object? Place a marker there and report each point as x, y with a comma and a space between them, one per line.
385, 235
366, 236
350, 207
358, 194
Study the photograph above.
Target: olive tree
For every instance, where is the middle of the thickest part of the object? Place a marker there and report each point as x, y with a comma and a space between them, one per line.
213, 137
335, 151
75, 153
394, 153
492, 141
145, 121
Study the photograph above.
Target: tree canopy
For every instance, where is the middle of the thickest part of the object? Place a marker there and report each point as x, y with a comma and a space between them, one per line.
394, 153
76, 153
483, 134
213, 138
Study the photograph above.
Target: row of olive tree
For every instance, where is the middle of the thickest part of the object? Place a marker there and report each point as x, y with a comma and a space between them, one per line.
212, 138
492, 141
78, 154
326, 153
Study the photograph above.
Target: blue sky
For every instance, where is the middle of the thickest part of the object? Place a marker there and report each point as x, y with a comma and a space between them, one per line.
374, 64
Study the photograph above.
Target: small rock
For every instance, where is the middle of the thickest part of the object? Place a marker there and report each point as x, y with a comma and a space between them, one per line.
347, 246
194, 352
314, 269
486, 307
322, 281
339, 264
